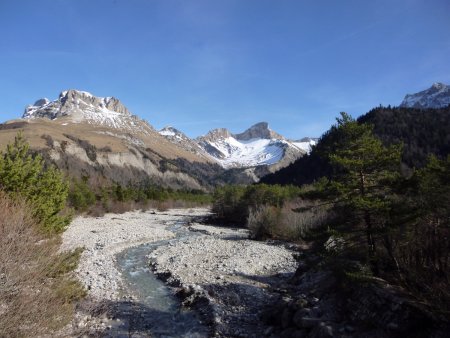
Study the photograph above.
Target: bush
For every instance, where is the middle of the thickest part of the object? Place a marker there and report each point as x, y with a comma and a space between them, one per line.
23, 175
231, 203
36, 293
293, 221
264, 222
81, 197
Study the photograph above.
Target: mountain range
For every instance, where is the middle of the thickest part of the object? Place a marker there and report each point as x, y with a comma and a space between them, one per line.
257, 146
100, 139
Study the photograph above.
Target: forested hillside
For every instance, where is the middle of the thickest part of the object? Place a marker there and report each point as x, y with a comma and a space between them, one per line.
422, 131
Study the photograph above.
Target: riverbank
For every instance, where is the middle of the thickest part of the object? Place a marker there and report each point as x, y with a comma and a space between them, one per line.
221, 266
102, 239
226, 276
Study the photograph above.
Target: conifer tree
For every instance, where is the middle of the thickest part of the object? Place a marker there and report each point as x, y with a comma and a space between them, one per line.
24, 175
361, 184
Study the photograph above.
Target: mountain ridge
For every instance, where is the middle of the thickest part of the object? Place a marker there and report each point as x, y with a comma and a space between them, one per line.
83, 107
437, 96
98, 138
256, 146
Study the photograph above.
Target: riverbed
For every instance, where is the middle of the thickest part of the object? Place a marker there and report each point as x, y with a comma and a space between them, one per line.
165, 274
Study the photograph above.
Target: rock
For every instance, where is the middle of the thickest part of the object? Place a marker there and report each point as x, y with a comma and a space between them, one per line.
288, 333
307, 322
286, 318
299, 315
316, 312
321, 331
299, 334
349, 328
302, 302
392, 326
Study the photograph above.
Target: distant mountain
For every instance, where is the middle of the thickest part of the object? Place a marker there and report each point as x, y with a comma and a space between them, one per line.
257, 146
100, 139
437, 96
79, 106
182, 140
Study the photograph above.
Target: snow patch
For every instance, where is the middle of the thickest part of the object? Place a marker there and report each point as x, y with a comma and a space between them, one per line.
248, 153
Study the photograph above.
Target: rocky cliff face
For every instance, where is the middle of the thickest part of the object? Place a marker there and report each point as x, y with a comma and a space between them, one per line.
437, 96
260, 130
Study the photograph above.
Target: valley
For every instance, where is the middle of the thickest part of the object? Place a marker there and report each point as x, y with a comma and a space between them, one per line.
236, 234
225, 169
217, 272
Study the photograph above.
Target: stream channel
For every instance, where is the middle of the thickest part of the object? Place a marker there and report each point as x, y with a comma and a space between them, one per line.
154, 310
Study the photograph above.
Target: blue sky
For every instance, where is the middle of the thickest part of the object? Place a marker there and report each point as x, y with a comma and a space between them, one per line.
199, 65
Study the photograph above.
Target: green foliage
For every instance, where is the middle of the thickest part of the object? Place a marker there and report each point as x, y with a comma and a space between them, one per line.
25, 175
119, 198
426, 235
361, 186
81, 197
227, 204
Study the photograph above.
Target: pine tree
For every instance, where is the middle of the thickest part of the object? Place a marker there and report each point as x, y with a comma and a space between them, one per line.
361, 184
23, 175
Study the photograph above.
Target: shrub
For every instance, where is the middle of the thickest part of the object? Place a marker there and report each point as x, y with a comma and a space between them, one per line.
264, 222
81, 197
36, 293
293, 221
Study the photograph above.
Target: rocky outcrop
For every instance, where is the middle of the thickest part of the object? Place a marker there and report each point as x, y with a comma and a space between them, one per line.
260, 130
83, 107
437, 96
215, 134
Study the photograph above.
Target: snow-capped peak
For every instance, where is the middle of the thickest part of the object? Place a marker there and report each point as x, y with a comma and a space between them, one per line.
437, 96
81, 106
172, 132
258, 145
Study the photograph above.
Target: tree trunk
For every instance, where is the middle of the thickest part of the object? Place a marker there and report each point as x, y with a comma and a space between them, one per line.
369, 231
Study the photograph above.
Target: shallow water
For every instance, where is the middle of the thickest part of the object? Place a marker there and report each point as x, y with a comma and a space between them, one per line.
155, 310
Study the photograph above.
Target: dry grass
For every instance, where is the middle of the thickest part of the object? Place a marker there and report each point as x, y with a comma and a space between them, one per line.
291, 222
36, 293
101, 137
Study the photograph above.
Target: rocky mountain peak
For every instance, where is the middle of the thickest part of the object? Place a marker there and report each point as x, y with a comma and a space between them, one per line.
260, 130
78, 106
438, 85
170, 131
437, 96
217, 134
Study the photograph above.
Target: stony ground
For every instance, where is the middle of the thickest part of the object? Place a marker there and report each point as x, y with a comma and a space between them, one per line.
219, 271
230, 276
